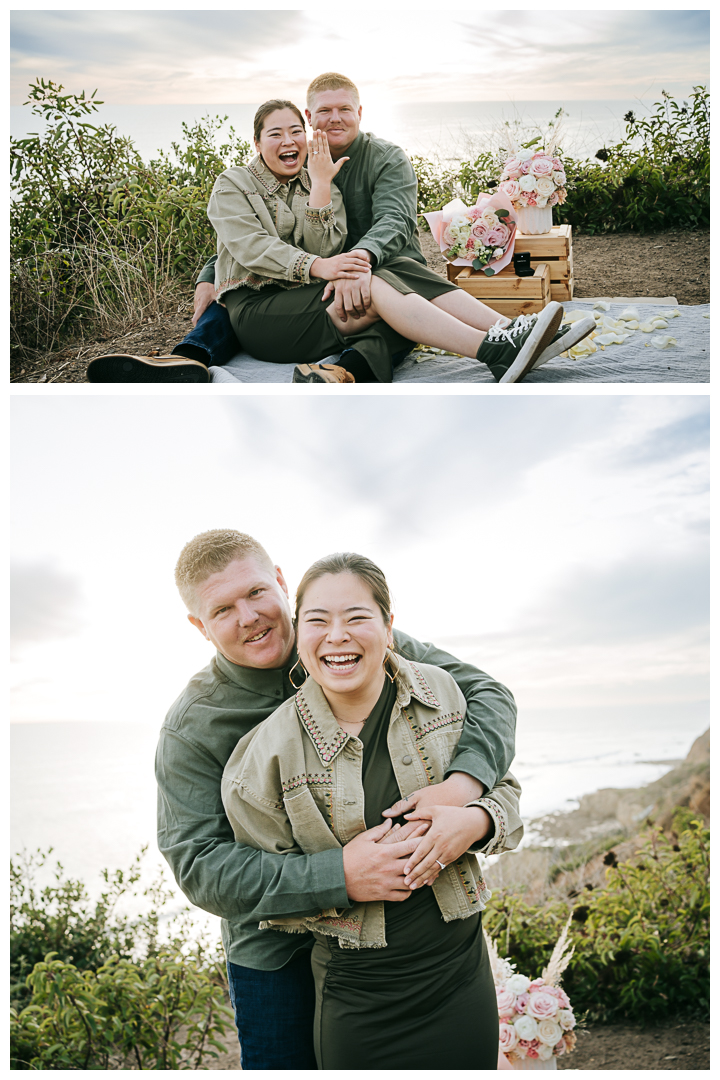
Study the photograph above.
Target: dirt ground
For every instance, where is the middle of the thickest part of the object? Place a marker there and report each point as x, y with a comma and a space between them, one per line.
611, 1046
667, 264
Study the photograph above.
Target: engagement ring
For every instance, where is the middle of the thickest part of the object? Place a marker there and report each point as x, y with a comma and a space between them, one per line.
442, 865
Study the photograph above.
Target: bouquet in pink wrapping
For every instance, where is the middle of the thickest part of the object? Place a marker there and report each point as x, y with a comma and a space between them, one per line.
481, 236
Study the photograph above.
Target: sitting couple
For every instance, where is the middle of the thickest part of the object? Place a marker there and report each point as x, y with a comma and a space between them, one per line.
281, 768
323, 260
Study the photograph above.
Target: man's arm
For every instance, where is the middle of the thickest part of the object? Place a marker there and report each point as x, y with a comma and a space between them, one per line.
216, 873
487, 744
394, 208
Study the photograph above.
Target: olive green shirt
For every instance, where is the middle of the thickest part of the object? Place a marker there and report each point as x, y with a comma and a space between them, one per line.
379, 190
220, 705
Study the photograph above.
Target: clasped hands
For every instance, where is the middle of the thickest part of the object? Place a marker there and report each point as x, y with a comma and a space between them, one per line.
437, 830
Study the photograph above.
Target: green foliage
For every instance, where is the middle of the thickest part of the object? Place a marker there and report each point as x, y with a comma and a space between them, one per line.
162, 1013
641, 944
93, 987
63, 919
97, 235
656, 178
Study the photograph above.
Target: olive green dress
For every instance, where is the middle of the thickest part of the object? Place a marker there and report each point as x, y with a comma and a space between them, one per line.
426, 1000
290, 326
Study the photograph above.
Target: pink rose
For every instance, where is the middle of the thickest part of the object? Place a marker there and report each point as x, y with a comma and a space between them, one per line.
563, 998
535, 984
511, 188
521, 1003
557, 163
512, 168
558, 1048
498, 237
541, 166
480, 232
474, 213
542, 1005
508, 1038
525, 167
531, 199
532, 1052
505, 1001
553, 199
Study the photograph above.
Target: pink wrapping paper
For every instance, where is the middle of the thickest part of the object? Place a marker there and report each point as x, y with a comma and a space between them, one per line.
438, 219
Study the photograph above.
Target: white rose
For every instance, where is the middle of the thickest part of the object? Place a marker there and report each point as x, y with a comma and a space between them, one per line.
544, 185
566, 1019
489, 218
542, 200
462, 220
508, 1038
527, 182
544, 1052
525, 155
526, 1027
560, 179
549, 1032
498, 253
518, 984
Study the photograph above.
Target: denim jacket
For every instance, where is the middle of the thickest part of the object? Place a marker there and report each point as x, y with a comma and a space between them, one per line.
267, 234
295, 784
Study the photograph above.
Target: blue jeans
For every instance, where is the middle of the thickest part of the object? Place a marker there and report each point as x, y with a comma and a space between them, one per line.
212, 341
274, 1012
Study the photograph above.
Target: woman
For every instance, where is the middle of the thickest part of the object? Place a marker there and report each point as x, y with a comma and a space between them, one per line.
281, 229
402, 984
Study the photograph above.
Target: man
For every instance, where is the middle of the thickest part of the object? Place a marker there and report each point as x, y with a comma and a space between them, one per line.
379, 189
238, 600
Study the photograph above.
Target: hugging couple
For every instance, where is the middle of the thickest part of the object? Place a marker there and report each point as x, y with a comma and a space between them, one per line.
323, 785
318, 254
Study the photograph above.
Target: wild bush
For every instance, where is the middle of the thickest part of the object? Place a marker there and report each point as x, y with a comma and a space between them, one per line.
97, 236
641, 943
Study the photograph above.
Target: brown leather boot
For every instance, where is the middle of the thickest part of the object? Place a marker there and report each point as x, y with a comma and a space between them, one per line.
122, 368
327, 373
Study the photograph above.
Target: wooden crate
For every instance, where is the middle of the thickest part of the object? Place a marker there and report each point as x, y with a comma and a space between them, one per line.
507, 293
553, 248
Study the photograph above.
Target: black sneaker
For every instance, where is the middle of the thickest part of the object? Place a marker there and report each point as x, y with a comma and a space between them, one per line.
511, 351
566, 337
325, 373
122, 368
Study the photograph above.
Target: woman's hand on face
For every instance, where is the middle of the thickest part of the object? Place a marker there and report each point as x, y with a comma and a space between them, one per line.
345, 265
320, 164
452, 831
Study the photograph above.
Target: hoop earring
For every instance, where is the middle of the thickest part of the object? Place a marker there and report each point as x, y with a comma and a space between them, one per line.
391, 675
290, 674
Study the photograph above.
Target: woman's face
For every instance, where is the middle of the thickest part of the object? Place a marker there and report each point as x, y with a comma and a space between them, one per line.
282, 144
341, 635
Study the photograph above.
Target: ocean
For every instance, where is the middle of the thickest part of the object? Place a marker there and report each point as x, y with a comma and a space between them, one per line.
88, 789
443, 131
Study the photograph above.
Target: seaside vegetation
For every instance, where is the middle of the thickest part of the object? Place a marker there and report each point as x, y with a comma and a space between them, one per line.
92, 988
100, 238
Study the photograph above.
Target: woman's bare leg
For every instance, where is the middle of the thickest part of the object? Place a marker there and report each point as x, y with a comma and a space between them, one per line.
469, 310
420, 320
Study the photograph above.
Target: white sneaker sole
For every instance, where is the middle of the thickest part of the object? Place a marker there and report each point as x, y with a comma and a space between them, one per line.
542, 333
575, 332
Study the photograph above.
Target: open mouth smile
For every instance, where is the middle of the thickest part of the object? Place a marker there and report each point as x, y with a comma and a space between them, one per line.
260, 636
289, 157
342, 662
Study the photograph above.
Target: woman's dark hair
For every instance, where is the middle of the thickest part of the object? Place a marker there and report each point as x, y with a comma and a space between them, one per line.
271, 107
346, 562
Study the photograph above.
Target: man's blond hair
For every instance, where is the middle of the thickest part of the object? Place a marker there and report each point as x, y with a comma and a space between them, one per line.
210, 553
331, 80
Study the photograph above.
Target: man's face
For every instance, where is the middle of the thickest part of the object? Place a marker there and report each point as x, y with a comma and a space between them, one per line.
335, 113
244, 611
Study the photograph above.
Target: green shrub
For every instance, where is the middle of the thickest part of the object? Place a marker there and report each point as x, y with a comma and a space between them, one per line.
162, 1013
641, 943
97, 236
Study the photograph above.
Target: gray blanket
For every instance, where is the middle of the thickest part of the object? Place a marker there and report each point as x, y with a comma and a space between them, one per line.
632, 362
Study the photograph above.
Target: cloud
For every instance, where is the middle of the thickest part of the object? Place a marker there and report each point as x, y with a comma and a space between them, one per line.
45, 604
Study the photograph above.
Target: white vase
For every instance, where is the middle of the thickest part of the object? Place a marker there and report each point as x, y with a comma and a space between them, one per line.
535, 1063
533, 220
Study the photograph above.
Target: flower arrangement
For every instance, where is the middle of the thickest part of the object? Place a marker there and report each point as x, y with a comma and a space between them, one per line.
533, 178
481, 236
536, 1017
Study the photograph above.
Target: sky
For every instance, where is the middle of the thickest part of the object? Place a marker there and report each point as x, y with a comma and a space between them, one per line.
396, 53
558, 542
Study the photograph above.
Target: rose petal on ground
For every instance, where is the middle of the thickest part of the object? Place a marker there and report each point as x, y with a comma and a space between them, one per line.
663, 342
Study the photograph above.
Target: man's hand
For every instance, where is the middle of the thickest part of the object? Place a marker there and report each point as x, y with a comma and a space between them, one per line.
204, 296
458, 789
375, 870
352, 298
454, 829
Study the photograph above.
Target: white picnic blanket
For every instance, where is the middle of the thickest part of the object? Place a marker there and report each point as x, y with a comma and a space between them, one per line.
633, 361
